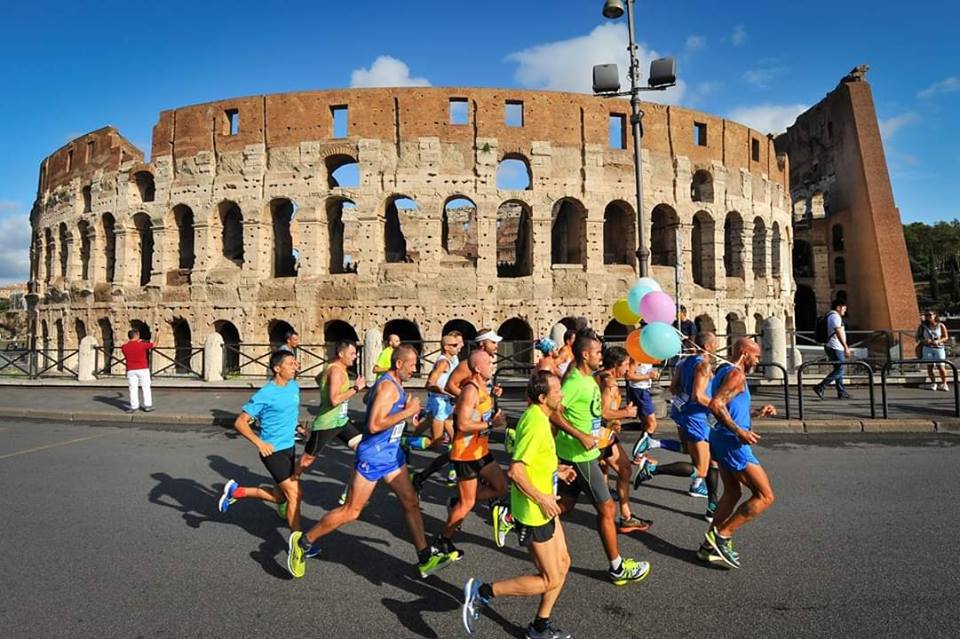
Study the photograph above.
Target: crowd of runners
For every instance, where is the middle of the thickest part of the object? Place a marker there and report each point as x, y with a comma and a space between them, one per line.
565, 444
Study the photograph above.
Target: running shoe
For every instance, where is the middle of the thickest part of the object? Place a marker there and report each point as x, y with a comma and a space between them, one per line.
634, 524
502, 523
647, 469
698, 490
630, 571
818, 391
473, 603
550, 632
148, 409
312, 551
343, 496
446, 546
641, 446
723, 547
711, 509
295, 562
705, 554
945, 388
282, 509
226, 498
435, 562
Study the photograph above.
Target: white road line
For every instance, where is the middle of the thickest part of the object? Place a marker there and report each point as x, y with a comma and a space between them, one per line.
39, 448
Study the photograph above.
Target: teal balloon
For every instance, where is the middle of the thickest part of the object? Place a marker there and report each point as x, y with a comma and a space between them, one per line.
635, 295
660, 340
649, 282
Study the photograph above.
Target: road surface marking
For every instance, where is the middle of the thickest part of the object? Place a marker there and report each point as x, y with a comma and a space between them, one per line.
39, 448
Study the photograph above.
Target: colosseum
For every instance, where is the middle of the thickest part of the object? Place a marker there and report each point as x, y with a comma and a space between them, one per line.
407, 210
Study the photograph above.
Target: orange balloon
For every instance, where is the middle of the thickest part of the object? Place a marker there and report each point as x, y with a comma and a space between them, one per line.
636, 350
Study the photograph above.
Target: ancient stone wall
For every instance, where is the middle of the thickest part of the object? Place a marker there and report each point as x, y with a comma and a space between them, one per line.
243, 217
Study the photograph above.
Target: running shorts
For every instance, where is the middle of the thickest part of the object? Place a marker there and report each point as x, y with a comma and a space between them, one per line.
693, 429
281, 464
590, 480
732, 457
643, 400
440, 407
471, 469
320, 438
376, 469
536, 534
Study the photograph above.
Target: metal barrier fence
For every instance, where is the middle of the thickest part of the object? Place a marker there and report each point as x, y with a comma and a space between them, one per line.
786, 383
17, 360
899, 362
852, 362
163, 361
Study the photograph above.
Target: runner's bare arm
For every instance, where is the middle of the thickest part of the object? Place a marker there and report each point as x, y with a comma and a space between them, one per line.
701, 378
457, 377
242, 426
335, 383
733, 384
466, 408
385, 397
559, 421
438, 369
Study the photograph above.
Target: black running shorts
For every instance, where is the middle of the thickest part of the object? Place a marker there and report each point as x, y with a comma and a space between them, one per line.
320, 438
590, 480
471, 469
280, 464
539, 534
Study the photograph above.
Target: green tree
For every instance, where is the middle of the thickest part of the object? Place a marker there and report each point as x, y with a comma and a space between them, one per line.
934, 285
955, 286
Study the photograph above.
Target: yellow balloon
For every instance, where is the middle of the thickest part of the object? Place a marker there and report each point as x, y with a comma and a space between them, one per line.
623, 314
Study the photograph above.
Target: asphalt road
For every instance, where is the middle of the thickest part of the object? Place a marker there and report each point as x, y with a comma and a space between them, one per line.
113, 532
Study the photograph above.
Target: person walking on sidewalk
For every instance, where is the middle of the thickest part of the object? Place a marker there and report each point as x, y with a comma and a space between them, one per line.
138, 370
932, 335
837, 350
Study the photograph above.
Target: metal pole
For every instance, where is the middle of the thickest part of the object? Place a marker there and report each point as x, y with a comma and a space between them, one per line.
643, 253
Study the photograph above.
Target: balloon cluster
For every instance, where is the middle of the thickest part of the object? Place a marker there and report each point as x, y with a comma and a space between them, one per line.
658, 340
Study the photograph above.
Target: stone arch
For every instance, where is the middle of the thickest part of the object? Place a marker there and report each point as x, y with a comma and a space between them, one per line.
44, 336
85, 232
759, 247
64, 242
231, 231
513, 173
144, 227
614, 331
517, 341
569, 322
183, 219
182, 345
467, 330
343, 171
836, 236
36, 252
619, 233
514, 239
701, 186
663, 236
568, 235
396, 247
409, 333
277, 331
341, 238
775, 250
146, 186
282, 212
231, 345
704, 249
705, 324
839, 270
143, 328
109, 227
106, 344
458, 227
335, 331
733, 249
802, 261
805, 308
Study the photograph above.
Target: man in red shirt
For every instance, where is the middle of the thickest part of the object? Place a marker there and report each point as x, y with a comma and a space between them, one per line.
138, 370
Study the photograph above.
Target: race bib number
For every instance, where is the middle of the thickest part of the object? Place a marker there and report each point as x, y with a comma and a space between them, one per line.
555, 482
679, 401
595, 427
343, 409
397, 431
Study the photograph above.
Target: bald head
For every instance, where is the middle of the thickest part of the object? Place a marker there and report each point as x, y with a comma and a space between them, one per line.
481, 363
744, 346
706, 341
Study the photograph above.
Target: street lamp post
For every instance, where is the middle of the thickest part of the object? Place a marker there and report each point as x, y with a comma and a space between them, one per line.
606, 82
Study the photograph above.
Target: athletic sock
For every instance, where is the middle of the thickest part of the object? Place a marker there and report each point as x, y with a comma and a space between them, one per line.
417, 443
671, 444
424, 555
654, 443
713, 483
239, 492
675, 469
540, 624
304, 542
616, 565
486, 591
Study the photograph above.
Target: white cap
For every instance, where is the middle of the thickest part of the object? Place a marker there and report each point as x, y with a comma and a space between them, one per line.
489, 336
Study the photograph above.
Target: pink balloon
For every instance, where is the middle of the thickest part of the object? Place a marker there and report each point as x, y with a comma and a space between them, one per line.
657, 306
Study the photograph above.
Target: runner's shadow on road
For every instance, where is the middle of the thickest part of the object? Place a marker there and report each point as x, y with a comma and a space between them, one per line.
663, 547
117, 401
650, 504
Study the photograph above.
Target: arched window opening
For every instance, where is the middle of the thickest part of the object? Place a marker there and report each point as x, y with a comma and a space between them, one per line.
183, 217
282, 212
183, 345
87, 194
109, 246
277, 332
401, 212
231, 222
514, 245
839, 271
80, 328
759, 248
775, 248
837, 237
802, 259
517, 342
342, 231
736, 328
343, 171
339, 331
64, 249
701, 187
704, 250
663, 236
513, 174
144, 227
48, 256
805, 305
408, 332
619, 234
569, 233
231, 346
145, 185
143, 328
84, 231
106, 343
705, 324
458, 233
733, 245
61, 338
467, 330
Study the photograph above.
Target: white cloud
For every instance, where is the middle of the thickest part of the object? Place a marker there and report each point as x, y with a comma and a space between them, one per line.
695, 43
700, 91
739, 35
767, 118
14, 245
8, 205
762, 76
890, 126
947, 85
567, 65
386, 71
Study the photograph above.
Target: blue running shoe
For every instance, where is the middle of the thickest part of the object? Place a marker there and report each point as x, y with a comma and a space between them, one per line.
473, 604
226, 498
550, 632
641, 446
312, 551
711, 509
698, 490
647, 470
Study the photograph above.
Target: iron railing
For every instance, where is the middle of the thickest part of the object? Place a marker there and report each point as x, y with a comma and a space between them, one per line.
852, 362
899, 362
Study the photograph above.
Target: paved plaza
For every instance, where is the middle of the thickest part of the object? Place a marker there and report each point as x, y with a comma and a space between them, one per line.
114, 531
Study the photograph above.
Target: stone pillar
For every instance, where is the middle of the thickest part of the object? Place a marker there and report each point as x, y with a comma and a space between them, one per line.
487, 239
308, 240
213, 358
126, 270
202, 250
593, 240
774, 346
372, 342
86, 359
74, 271
541, 222
747, 256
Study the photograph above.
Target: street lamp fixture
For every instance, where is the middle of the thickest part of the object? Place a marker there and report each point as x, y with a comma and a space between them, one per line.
606, 83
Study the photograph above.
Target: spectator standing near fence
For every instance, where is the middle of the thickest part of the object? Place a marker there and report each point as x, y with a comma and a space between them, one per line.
138, 370
382, 364
291, 343
837, 350
932, 335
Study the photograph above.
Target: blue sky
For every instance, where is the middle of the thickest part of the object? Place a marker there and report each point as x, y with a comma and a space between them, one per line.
71, 67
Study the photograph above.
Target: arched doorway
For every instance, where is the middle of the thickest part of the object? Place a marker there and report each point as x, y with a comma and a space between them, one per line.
143, 328
514, 240
231, 346
619, 233
805, 308
144, 226
705, 324
704, 249
568, 236
466, 329
106, 344
517, 344
277, 332
615, 332
183, 344
663, 236
335, 331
